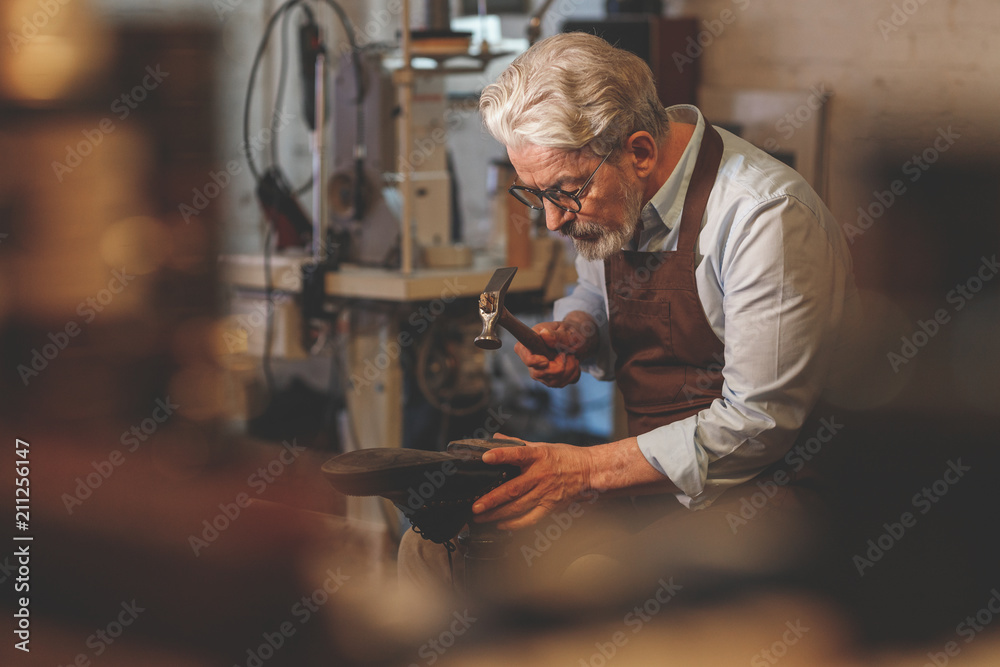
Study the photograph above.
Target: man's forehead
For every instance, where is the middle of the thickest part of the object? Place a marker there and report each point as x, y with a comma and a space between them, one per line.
544, 163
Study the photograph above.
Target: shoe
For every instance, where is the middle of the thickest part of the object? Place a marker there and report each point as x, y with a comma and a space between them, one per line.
435, 490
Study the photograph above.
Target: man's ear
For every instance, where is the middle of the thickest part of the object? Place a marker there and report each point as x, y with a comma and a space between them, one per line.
644, 152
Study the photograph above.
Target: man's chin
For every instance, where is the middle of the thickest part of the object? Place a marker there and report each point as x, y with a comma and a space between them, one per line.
596, 250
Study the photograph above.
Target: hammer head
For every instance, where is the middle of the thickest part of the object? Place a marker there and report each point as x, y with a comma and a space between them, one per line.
491, 306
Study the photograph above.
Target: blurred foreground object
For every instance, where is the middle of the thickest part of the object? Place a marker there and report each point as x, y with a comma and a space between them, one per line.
58, 50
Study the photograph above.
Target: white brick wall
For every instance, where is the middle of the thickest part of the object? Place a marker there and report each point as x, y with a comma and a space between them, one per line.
894, 84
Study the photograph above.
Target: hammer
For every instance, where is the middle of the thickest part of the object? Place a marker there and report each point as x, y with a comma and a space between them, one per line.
493, 313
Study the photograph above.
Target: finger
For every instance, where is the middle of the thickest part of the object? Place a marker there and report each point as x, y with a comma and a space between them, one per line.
502, 495
548, 335
529, 358
537, 362
548, 326
508, 510
518, 456
563, 337
548, 368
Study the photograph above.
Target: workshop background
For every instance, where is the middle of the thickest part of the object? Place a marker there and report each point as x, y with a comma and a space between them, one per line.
177, 514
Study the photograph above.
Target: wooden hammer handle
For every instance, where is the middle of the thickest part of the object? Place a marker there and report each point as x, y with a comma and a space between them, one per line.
526, 335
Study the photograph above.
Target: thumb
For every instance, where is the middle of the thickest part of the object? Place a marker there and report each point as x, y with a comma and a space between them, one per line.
549, 336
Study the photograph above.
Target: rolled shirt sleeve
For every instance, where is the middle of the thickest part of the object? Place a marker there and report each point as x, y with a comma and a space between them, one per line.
774, 277
783, 281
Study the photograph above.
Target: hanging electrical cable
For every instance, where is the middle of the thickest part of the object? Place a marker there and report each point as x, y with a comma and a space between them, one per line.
276, 196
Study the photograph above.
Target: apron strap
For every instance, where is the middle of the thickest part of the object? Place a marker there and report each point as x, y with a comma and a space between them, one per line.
706, 168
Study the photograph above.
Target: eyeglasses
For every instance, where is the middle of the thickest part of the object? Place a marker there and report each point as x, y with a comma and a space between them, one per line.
567, 201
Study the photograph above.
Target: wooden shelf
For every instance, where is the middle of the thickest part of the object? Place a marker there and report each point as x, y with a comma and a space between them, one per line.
357, 282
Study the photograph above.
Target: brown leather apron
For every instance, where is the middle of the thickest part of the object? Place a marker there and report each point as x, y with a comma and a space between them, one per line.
669, 358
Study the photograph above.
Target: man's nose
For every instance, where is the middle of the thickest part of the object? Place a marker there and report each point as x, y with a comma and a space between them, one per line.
556, 217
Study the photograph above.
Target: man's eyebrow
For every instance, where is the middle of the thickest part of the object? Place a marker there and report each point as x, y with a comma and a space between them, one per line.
558, 185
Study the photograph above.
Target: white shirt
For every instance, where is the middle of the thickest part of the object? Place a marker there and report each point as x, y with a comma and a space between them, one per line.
774, 276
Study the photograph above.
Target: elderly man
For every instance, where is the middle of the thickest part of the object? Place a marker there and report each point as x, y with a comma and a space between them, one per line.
713, 283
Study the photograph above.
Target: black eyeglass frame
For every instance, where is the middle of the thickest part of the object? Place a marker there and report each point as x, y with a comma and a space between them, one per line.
551, 193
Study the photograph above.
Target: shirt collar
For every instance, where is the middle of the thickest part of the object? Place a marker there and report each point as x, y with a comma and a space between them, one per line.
666, 206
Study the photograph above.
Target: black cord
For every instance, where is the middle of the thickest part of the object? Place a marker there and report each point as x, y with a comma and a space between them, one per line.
449, 547
348, 27
269, 316
279, 100
258, 57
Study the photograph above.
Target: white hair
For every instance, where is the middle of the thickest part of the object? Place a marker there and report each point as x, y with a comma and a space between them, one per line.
570, 91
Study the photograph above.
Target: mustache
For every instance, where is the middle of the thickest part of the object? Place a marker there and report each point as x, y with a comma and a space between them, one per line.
579, 228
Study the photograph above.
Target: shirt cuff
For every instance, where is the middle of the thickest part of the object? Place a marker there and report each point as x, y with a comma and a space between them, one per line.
673, 451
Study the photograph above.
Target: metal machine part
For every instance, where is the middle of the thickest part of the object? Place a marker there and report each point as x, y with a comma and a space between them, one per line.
449, 374
376, 232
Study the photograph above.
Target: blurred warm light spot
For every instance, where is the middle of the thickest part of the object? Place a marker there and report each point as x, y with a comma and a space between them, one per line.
232, 341
142, 244
228, 344
206, 391
199, 389
55, 50
45, 70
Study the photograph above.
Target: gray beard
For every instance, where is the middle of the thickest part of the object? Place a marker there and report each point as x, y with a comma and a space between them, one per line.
610, 239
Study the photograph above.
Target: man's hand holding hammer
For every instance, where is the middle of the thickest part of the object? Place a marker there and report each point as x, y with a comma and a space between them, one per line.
575, 338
